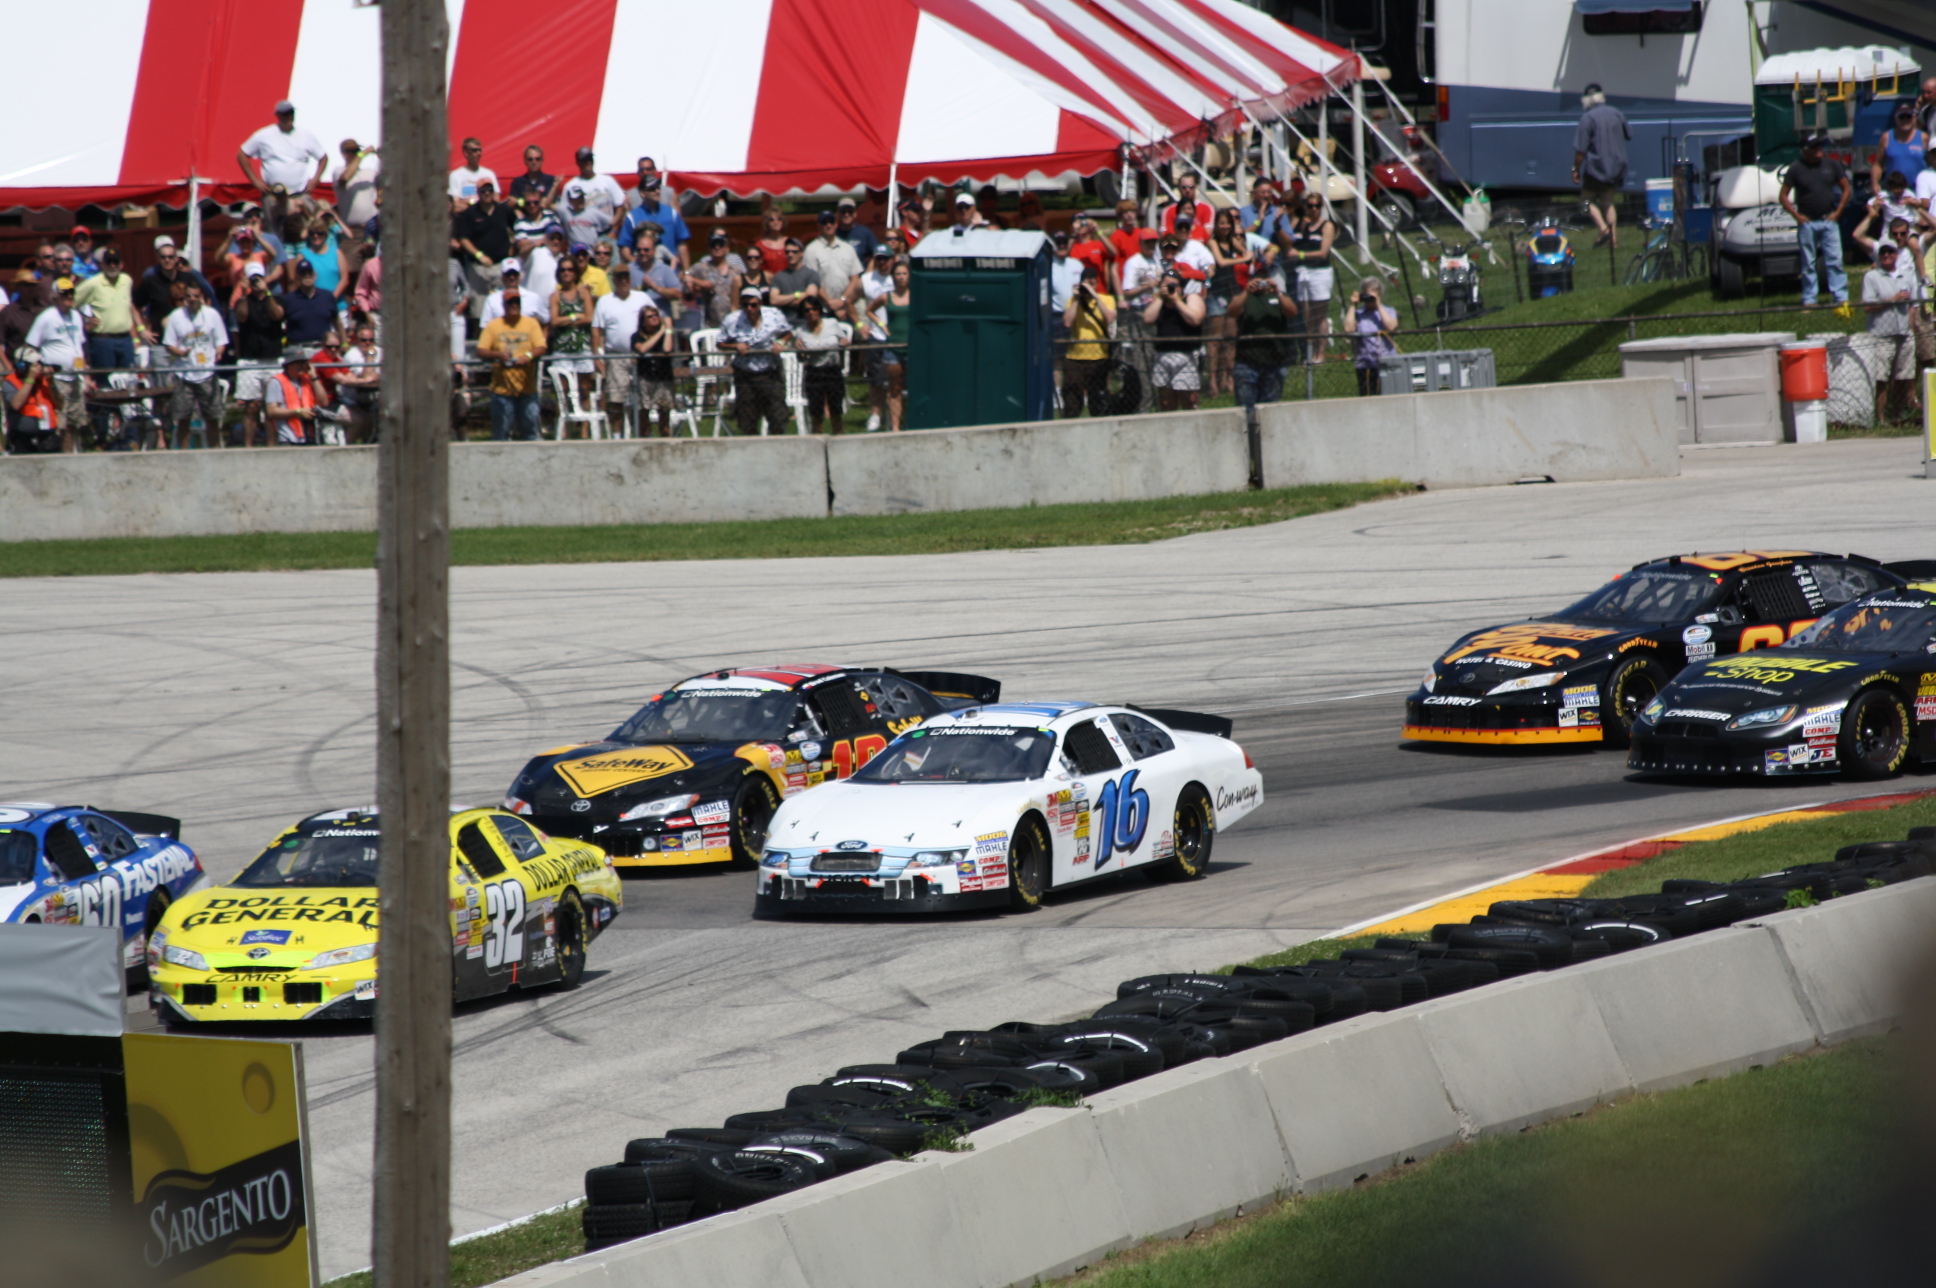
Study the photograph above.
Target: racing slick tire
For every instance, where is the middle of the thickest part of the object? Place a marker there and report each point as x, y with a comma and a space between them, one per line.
1196, 830
1028, 865
571, 940
1730, 282
1632, 685
730, 1181
1875, 734
754, 805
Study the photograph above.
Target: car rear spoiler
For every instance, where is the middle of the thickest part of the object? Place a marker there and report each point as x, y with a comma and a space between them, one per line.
147, 824
1190, 721
1913, 569
976, 689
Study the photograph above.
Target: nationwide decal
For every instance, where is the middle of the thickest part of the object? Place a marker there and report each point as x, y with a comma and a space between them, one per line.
1697, 635
255, 1206
1530, 641
610, 770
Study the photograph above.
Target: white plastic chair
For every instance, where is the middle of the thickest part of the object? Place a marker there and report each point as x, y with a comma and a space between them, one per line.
570, 409
794, 372
712, 379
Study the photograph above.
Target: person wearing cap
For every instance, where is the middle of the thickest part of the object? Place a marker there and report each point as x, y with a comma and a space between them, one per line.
259, 342
512, 344
584, 222
107, 299
834, 261
291, 400
468, 179
1903, 149
716, 280
1175, 315
753, 335
1065, 274
651, 207
849, 228
967, 213
157, 293
21, 309
59, 334
823, 376
34, 425
653, 390
358, 377
277, 161
1890, 292
309, 315
1815, 191
532, 304
1188, 205
1600, 161
1192, 253
1137, 277
80, 241
602, 195
794, 283
482, 231
356, 184
872, 286
239, 253
615, 317
194, 336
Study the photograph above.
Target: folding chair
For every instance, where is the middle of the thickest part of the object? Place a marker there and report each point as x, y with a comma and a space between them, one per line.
571, 409
712, 379
794, 372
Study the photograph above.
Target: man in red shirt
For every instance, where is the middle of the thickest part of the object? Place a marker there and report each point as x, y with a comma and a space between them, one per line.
1088, 246
1187, 202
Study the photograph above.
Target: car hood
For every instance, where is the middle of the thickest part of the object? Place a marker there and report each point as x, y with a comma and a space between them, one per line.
1484, 659
611, 777
271, 929
897, 816
1744, 682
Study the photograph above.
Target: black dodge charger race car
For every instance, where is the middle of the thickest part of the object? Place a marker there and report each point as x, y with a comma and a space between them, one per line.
697, 773
1855, 692
1584, 673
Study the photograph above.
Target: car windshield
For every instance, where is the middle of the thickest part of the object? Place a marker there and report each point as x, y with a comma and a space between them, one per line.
17, 851
328, 856
962, 754
1645, 597
712, 715
1873, 625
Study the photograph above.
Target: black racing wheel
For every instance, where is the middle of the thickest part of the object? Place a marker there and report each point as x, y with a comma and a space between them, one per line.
1875, 734
753, 808
1028, 865
1195, 830
571, 940
1635, 682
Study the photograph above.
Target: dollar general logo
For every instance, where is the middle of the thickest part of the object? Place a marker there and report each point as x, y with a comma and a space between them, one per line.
614, 769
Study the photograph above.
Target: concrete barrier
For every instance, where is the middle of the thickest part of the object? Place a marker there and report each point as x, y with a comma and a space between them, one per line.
1052, 1190
1572, 432
1127, 458
688, 480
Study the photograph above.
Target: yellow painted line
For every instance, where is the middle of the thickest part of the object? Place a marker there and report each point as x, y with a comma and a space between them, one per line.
1740, 825
1540, 885
1499, 737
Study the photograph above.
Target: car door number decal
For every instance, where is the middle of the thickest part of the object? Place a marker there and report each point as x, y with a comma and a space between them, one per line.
850, 754
504, 935
100, 901
1122, 816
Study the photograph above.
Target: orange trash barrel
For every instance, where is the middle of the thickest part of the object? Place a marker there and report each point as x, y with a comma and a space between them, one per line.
1804, 371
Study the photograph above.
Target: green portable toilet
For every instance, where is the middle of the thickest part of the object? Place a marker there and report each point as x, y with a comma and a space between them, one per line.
978, 344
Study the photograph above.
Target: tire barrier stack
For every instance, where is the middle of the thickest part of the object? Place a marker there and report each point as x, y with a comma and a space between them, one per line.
1181, 1102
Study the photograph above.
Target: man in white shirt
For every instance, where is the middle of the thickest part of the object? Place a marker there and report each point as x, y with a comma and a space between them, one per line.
541, 256
465, 178
60, 335
1889, 291
877, 281
835, 261
194, 336
356, 186
277, 160
602, 194
1140, 275
1926, 181
615, 320
512, 273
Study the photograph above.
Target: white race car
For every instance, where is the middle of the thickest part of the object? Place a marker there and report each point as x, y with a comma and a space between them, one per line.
997, 805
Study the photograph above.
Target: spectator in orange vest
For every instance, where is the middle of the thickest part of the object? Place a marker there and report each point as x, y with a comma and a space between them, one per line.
290, 400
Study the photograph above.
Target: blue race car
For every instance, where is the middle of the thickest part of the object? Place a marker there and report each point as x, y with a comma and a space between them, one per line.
76, 866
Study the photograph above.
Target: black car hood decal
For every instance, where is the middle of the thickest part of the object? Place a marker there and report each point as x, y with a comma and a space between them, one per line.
607, 773
1745, 682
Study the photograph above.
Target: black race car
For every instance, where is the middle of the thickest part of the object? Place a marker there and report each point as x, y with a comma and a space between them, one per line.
1855, 692
1584, 673
696, 774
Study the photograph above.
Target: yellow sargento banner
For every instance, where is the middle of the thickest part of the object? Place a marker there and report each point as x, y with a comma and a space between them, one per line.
220, 1182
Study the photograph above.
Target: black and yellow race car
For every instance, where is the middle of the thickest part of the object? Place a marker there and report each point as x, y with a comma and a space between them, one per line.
1584, 673
1855, 693
696, 774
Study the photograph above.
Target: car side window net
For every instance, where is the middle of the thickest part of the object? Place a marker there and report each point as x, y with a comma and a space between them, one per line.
478, 852
1141, 737
842, 707
115, 841
518, 835
897, 698
1089, 748
1840, 582
66, 853
1780, 592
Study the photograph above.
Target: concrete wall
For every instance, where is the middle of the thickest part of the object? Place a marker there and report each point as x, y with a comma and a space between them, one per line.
1050, 1191
1585, 430
1572, 432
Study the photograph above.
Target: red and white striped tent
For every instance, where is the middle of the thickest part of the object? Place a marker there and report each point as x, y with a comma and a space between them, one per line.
739, 95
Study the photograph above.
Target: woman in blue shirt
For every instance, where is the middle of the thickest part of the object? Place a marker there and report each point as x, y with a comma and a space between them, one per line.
1903, 150
319, 247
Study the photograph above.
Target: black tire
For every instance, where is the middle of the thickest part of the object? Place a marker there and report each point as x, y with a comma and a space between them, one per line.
719, 1137
754, 805
1028, 865
846, 1153
1634, 683
1397, 207
1730, 283
667, 1164
624, 1184
1552, 948
823, 1166
1875, 734
571, 940
727, 1182
1196, 831
605, 1225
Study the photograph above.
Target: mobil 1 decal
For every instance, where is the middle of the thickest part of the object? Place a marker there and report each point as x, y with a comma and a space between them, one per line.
1122, 816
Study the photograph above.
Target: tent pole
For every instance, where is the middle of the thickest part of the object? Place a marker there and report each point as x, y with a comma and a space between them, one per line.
1128, 185
1362, 224
1405, 158
893, 195
1382, 217
195, 221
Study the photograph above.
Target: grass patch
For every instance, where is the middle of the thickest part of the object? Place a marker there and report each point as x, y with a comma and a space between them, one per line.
548, 1237
1312, 950
1684, 1187
1749, 854
1031, 527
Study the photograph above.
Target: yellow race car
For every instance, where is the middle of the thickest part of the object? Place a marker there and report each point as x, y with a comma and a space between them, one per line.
294, 935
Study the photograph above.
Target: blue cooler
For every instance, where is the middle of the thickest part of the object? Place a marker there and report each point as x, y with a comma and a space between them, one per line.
1660, 201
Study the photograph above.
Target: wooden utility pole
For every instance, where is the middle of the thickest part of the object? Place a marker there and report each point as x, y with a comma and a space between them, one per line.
412, 1193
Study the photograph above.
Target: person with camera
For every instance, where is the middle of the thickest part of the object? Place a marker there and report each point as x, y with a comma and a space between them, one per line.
753, 335
1175, 315
194, 336
1261, 314
1090, 314
1374, 325
258, 347
33, 407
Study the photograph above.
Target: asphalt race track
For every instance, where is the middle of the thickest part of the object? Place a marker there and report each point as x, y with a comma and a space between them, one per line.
242, 701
